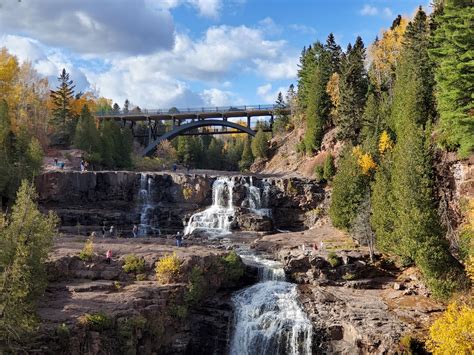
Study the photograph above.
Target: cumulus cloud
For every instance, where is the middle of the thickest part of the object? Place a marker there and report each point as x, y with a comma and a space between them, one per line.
283, 68
303, 29
207, 8
267, 94
90, 26
369, 10
217, 97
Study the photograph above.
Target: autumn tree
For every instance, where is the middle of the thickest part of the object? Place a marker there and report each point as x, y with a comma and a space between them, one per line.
63, 118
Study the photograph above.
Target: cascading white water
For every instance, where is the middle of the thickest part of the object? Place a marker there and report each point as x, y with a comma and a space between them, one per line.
268, 318
258, 199
216, 219
147, 207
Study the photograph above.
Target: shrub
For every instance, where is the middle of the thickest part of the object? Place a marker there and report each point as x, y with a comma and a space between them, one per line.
132, 263
187, 192
452, 333
233, 267
62, 330
117, 285
329, 169
95, 321
319, 172
180, 311
88, 251
196, 288
168, 268
140, 277
333, 259
349, 276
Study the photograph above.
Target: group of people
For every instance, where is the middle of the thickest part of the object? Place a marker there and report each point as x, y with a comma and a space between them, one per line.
84, 165
59, 164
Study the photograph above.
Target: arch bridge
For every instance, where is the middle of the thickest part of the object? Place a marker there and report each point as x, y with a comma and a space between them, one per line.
159, 125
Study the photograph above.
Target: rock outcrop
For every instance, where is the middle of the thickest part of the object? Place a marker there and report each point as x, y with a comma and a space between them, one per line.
86, 201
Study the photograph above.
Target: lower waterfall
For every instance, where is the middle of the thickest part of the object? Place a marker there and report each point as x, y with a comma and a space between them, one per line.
268, 318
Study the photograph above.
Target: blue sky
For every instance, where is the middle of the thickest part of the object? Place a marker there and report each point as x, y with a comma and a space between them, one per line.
185, 53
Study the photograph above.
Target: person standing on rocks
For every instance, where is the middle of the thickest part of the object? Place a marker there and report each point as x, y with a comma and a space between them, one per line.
112, 231
104, 230
179, 239
108, 256
134, 231
83, 165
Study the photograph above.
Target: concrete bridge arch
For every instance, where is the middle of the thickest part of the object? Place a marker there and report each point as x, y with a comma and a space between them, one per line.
176, 131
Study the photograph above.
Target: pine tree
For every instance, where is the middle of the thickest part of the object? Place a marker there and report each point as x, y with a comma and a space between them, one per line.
116, 108
87, 136
281, 117
306, 68
214, 154
6, 163
335, 53
63, 117
454, 53
260, 145
350, 189
25, 240
353, 86
329, 169
247, 156
318, 104
126, 106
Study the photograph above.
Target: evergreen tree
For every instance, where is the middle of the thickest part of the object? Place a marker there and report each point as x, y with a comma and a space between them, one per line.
87, 136
454, 53
25, 240
63, 117
306, 68
233, 153
374, 119
335, 53
247, 156
329, 169
318, 104
260, 145
350, 189
353, 90
214, 154
281, 117
116, 108
126, 106
6, 162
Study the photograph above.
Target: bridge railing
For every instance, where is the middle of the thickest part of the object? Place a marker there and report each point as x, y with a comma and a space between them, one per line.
177, 111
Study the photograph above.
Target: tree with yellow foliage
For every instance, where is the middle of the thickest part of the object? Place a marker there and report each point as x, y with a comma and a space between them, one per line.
453, 332
385, 142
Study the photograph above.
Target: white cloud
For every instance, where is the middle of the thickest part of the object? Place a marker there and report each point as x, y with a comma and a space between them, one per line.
269, 26
90, 26
303, 29
267, 94
368, 10
217, 97
284, 68
207, 8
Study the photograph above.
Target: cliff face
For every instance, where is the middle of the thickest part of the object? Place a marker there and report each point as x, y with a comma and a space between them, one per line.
85, 201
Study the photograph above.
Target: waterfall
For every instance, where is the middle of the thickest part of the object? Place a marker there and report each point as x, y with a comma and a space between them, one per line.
216, 219
268, 318
258, 199
146, 207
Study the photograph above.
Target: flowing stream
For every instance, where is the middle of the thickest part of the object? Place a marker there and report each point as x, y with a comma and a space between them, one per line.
268, 317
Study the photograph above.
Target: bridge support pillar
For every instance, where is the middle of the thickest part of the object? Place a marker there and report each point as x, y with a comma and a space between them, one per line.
248, 121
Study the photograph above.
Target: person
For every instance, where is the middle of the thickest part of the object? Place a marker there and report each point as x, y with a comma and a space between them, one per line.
93, 235
111, 231
83, 167
104, 230
179, 239
174, 167
108, 256
55, 161
135, 230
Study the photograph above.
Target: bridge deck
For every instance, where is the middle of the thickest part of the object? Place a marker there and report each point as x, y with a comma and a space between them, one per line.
195, 113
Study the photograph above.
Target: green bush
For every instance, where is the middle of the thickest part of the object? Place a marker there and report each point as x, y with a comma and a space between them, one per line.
334, 260
233, 267
329, 169
96, 321
134, 264
196, 288
319, 172
88, 251
349, 276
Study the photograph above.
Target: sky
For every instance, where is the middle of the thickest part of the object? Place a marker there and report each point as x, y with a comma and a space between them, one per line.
185, 53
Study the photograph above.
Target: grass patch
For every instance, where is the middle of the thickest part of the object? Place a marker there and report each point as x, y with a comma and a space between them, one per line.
95, 321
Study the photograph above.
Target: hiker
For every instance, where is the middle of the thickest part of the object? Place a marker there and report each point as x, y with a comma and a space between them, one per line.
83, 166
111, 231
104, 230
108, 256
93, 235
179, 239
134, 231
174, 167
56, 162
